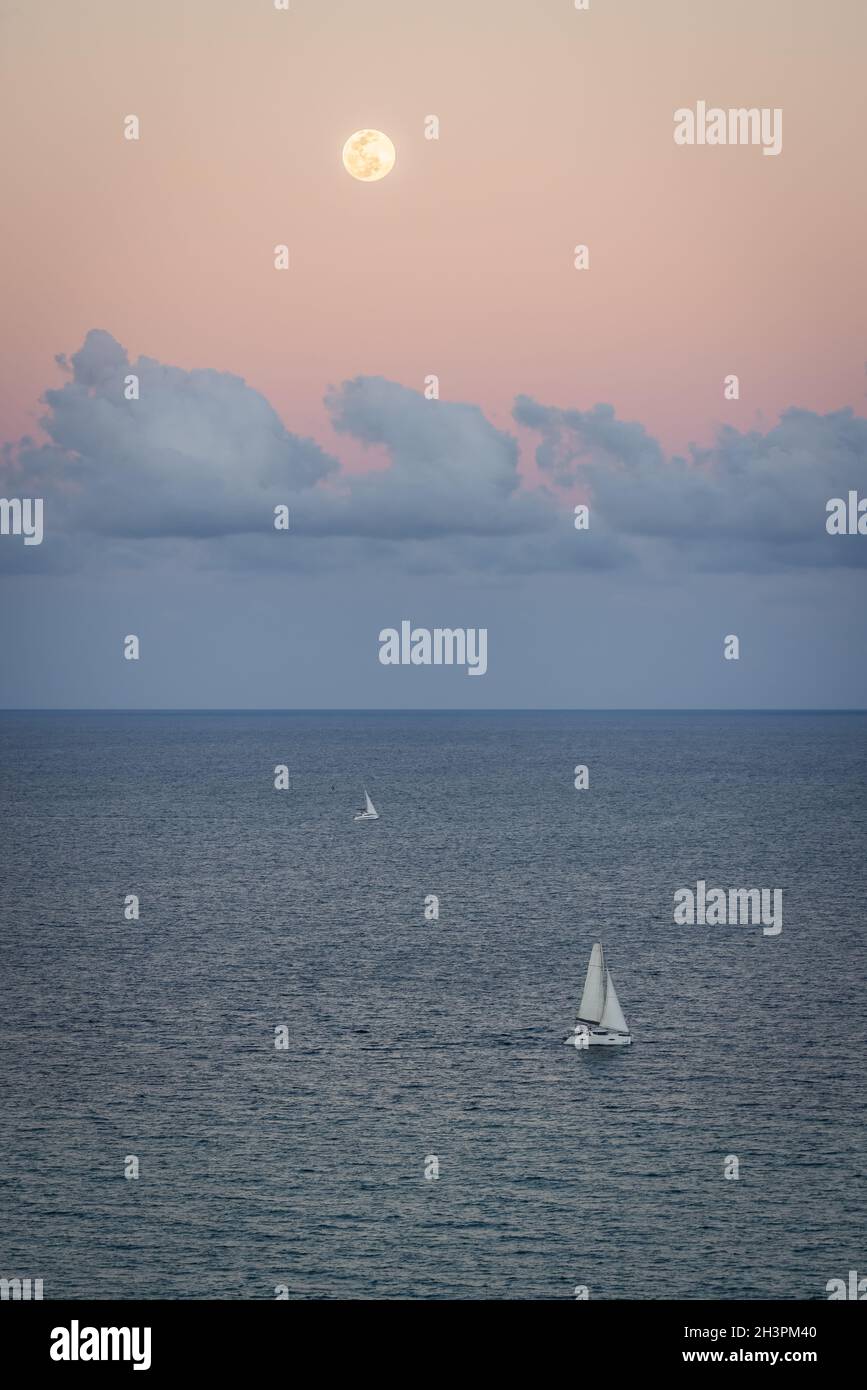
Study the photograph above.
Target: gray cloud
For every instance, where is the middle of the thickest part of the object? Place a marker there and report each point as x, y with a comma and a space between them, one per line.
573, 438
203, 459
750, 502
200, 453
189, 475
451, 473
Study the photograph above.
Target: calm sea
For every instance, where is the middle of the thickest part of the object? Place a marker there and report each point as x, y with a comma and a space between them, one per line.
410, 1039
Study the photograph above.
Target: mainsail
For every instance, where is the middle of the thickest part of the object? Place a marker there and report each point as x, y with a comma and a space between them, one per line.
599, 1002
369, 806
593, 998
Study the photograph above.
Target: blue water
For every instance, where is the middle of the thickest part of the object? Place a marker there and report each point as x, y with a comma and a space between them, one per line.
305, 1167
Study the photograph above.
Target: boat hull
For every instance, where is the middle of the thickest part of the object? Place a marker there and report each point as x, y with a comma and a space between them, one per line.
598, 1037
365, 816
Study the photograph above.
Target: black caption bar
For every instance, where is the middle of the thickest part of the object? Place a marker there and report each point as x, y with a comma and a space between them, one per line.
157, 1339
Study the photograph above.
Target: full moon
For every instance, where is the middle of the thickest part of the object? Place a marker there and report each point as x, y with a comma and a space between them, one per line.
368, 155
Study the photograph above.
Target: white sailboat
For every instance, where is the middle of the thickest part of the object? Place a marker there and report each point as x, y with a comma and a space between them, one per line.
370, 812
600, 1018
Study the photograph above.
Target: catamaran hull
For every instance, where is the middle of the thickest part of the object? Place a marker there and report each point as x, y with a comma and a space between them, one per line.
598, 1038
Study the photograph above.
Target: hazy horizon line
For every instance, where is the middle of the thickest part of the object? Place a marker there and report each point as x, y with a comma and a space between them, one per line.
456, 709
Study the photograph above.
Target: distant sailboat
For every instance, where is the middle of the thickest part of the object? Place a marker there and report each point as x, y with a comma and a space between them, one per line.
370, 812
600, 1017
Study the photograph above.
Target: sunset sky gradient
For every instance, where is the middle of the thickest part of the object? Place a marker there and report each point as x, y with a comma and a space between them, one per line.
555, 129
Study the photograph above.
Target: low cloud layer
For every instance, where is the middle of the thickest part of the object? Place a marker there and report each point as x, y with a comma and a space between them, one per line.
192, 470
199, 454
751, 502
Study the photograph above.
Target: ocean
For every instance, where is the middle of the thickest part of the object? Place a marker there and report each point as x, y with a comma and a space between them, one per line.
283, 1043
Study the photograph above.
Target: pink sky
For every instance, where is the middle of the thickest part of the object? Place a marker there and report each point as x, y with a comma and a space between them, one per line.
556, 128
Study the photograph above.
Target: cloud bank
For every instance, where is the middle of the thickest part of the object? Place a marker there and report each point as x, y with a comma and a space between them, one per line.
750, 502
194, 467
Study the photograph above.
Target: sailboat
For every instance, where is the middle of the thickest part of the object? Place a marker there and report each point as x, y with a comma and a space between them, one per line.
370, 812
600, 1017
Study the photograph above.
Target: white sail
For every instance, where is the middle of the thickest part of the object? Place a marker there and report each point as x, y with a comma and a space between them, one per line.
369, 806
593, 999
599, 1002
612, 1014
